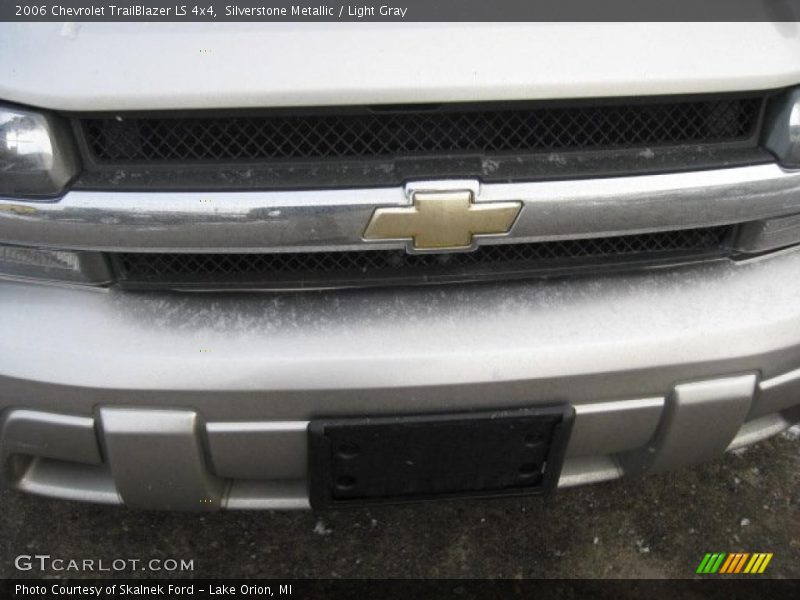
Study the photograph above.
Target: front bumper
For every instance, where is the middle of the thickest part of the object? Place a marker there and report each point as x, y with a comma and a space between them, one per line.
202, 401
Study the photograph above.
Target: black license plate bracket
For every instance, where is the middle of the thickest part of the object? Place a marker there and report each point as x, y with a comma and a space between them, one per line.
427, 457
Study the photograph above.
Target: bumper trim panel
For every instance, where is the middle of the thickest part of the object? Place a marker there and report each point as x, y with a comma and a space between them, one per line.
685, 435
157, 461
50, 435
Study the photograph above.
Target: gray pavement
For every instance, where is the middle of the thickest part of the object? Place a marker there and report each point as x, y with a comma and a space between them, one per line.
657, 526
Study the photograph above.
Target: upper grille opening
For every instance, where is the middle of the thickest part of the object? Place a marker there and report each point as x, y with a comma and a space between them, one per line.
444, 131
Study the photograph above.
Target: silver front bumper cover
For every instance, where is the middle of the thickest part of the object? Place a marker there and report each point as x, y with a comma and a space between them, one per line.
201, 402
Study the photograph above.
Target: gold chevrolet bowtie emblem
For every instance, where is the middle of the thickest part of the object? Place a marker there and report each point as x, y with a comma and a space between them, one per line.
442, 220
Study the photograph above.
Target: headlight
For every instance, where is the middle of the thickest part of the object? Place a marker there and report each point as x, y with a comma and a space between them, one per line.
37, 156
783, 129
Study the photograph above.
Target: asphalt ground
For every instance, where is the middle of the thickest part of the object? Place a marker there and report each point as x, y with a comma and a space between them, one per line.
655, 527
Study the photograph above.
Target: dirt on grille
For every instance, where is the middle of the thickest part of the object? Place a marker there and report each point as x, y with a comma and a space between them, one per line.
656, 526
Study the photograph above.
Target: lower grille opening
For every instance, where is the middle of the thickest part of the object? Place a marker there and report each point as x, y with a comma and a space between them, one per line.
396, 267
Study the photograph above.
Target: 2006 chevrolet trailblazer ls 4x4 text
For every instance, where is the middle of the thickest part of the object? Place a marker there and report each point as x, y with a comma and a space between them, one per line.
214, 240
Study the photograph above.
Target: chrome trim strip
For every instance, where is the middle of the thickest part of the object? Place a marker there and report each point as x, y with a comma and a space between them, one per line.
335, 219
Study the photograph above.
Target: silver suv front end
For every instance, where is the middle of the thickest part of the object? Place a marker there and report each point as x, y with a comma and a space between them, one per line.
192, 396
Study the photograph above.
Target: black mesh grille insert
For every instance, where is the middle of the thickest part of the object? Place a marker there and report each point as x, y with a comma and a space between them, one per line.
415, 132
368, 267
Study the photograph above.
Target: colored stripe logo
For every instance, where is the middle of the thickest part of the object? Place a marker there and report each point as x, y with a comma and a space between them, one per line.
734, 563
